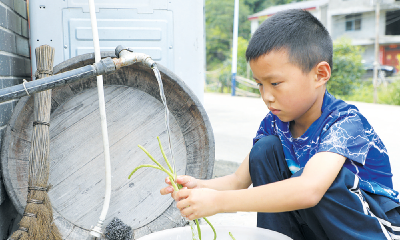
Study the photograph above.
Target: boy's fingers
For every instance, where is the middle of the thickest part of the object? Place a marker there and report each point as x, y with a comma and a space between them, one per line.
183, 179
167, 190
187, 181
186, 211
182, 204
181, 194
167, 181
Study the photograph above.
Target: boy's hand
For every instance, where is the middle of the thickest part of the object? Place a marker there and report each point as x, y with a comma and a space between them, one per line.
186, 182
197, 203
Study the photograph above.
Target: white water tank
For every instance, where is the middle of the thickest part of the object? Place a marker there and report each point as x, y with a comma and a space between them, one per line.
170, 31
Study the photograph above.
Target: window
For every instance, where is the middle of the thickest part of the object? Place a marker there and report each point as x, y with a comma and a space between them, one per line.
392, 23
353, 22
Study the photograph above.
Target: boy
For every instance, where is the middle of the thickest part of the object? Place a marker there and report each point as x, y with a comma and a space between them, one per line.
318, 169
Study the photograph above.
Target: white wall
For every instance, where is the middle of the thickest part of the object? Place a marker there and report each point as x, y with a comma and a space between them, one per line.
367, 30
183, 52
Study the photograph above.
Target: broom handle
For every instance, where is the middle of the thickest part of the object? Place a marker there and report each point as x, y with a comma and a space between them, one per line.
102, 108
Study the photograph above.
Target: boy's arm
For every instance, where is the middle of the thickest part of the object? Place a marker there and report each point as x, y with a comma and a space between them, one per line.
237, 180
291, 194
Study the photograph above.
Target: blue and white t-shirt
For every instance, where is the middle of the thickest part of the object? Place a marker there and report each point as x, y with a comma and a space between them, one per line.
341, 129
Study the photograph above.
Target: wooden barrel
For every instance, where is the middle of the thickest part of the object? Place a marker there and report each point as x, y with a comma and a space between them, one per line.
135, 115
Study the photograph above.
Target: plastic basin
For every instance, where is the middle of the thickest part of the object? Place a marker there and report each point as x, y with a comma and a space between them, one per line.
239, 232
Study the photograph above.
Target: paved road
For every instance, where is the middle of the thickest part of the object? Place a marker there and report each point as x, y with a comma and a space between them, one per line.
235, 121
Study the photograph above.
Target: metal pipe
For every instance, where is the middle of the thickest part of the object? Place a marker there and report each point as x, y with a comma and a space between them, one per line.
234, 47
376, 61
104, 67
127, 57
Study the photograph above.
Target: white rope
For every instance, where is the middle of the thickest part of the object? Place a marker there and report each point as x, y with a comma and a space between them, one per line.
102, 108
23, 83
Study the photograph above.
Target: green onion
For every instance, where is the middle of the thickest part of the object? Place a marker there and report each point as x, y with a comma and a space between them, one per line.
171, 175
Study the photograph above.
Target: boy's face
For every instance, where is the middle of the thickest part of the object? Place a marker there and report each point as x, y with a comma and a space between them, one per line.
289, 93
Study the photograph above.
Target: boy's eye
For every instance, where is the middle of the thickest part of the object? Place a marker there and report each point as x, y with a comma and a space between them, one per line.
275, 84
259, 84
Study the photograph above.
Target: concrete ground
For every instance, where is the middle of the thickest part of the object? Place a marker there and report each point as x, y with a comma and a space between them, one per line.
235, 121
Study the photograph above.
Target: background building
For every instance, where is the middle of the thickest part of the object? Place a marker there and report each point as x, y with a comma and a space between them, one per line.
354, 19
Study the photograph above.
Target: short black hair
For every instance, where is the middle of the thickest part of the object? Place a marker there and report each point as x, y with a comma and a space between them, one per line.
297, 31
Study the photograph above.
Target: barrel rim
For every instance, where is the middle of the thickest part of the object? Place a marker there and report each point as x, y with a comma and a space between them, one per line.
4, 155
6, 138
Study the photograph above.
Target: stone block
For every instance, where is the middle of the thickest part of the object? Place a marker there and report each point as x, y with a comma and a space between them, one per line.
5, 69
6, 109
18, 67
8, 82
20, 8
14, 21
7, 42
22, 46
3, 17
8, 3
24, 28
28, 69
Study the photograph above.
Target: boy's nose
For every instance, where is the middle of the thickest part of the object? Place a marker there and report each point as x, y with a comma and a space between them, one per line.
268, 97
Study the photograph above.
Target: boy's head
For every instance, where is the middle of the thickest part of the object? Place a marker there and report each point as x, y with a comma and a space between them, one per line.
290, 55
305, 39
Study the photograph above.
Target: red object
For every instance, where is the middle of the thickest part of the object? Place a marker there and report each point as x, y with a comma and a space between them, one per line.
391, 59
390, 56
381, 54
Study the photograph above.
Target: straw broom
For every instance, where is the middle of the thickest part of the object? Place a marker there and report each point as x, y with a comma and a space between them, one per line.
37, 221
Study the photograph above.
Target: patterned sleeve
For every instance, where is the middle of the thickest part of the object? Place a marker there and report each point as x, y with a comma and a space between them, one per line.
347, 137
265, 129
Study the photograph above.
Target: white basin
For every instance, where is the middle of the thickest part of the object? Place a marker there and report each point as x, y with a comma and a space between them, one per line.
239, 232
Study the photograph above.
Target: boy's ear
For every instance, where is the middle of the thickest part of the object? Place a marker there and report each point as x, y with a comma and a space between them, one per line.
323, 73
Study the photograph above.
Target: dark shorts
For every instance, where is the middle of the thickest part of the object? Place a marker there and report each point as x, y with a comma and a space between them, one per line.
345, 211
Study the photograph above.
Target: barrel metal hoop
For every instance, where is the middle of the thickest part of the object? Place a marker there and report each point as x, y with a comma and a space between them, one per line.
35, 201
30, 215
42, 71
23, 229
41, 123
45, 189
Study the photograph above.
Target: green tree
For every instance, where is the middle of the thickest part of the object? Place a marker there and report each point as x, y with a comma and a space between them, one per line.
347, 68
219, 26
219, 29
256, 5
224, 73
259, 5
241, 57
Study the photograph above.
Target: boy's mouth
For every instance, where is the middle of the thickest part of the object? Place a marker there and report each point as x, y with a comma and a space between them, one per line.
274, 111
